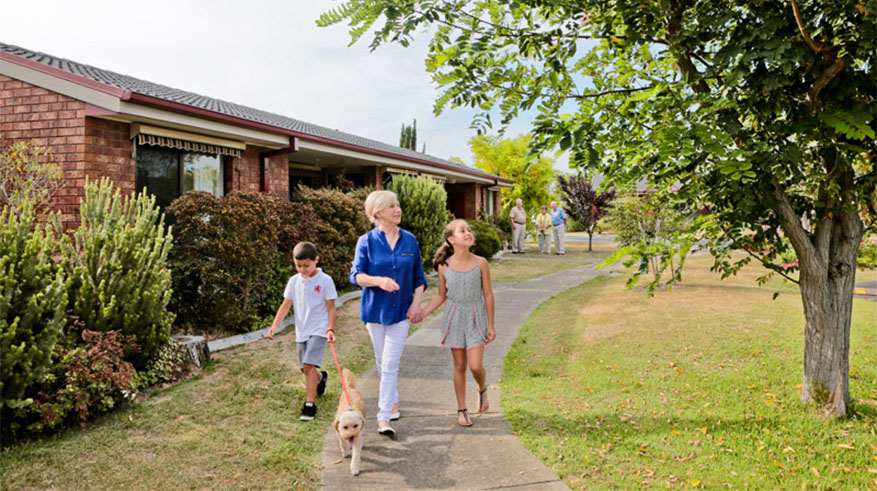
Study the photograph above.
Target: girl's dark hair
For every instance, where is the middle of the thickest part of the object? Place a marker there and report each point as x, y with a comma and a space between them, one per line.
446, 250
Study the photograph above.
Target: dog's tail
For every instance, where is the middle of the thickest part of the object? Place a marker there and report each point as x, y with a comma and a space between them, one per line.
348, 378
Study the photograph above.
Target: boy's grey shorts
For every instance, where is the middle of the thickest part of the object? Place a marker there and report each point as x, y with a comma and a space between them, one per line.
311, 352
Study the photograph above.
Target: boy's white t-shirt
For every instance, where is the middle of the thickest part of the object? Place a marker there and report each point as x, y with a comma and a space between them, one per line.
309, 296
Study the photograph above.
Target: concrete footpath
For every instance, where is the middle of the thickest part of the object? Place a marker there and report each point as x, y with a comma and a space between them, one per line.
430, 451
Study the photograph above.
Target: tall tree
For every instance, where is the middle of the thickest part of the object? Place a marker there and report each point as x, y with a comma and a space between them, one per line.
408, 138
510, 158
761, 112
584, 204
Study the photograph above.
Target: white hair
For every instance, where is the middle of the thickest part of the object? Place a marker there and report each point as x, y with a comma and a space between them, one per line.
377, 201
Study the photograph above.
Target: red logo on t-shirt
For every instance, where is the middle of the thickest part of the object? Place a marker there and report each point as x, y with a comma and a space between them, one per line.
317, 288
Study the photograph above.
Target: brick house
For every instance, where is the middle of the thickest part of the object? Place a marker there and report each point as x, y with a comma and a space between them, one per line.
142, 134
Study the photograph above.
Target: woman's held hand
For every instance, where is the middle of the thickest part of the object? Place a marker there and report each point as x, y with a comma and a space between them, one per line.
388, 285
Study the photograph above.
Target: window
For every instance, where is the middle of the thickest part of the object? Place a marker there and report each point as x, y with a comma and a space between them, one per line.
490, 201
169, 173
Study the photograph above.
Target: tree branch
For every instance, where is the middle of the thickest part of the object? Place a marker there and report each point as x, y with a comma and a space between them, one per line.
816, 47
683, 62
607, 92
823, 80
799, 237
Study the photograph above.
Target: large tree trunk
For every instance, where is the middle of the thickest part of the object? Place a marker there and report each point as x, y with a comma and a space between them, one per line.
827, 259
827, 295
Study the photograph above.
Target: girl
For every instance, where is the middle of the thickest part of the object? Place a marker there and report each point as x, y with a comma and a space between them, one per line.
464, 281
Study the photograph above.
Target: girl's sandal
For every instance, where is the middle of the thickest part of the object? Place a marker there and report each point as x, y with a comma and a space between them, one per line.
483, 405
465, 414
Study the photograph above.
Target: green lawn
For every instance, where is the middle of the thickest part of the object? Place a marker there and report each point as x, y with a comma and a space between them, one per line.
695, 387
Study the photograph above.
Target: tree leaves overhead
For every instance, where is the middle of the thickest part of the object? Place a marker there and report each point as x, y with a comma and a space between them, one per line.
716, 101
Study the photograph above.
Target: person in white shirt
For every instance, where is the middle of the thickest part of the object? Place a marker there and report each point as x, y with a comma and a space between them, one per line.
313, 294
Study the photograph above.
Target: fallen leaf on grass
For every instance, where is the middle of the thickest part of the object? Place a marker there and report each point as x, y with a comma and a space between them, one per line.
226, 453
788, 449
236, 476
846, 446
872, 471
589, 388
695, 482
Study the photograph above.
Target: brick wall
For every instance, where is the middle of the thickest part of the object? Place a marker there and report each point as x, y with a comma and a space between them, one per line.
52, 120
108, 150
248, 169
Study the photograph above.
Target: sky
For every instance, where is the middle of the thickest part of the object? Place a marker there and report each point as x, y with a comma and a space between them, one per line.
263, 54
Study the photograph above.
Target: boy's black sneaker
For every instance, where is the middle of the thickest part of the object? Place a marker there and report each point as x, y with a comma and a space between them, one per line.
321, 385
308, 411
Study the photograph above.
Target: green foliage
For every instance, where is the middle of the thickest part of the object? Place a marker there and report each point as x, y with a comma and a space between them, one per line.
724, 105
572, 225
117, 267
28, 177
424, 212
486, 239
648, 234
408, 136
867, 256
233, 256
33, 297
169, 365
86, 378
341, 222
510, 158
502, 226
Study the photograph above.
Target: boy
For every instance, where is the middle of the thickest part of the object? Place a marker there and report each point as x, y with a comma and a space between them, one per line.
313, 293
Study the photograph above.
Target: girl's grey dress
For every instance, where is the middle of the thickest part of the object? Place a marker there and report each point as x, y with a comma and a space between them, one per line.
465, 320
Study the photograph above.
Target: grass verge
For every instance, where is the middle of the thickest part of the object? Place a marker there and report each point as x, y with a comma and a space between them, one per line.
698, 387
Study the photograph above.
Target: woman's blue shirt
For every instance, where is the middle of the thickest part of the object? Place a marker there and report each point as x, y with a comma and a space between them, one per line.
374, 257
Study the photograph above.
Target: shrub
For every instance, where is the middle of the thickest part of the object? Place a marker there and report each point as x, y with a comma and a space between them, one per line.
33, 297
341, 221
117, 267
867, 258
574, 226
502, 226
232, 257
85, 380
486, 240
169, 365
28, 177
424, 212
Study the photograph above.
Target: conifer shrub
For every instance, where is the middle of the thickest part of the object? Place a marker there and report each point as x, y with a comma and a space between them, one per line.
117, 268
424, 212
33, 297
486, 239
341, 221
232, 257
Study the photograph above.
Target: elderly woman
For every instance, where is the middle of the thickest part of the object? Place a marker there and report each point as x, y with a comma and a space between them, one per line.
388, 267
543, 226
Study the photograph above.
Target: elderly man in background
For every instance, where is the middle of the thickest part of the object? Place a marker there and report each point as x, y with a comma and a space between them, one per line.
558, 223
519, 226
